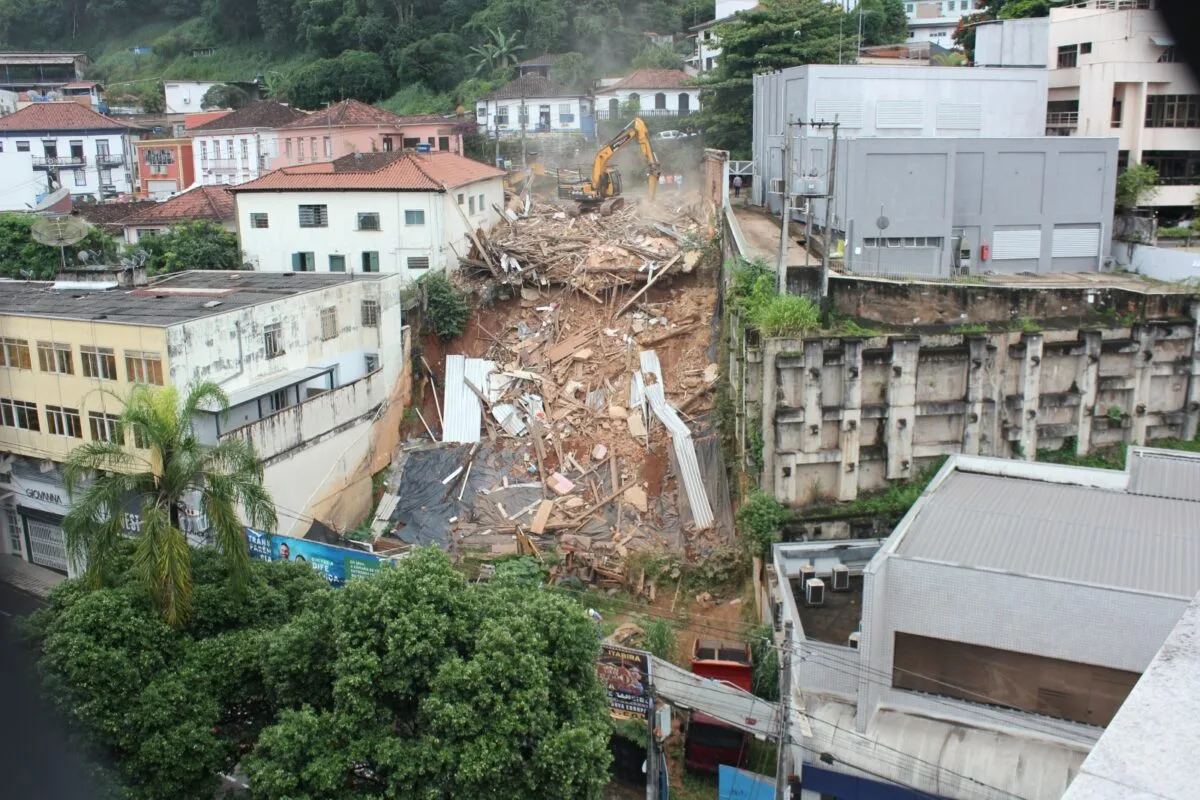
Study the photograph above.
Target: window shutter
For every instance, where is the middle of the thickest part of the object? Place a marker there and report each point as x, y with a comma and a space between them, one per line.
295, 262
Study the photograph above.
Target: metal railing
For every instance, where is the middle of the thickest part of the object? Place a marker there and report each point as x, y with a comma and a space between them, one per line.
605, 113
60, 161
110, 159
1062, 119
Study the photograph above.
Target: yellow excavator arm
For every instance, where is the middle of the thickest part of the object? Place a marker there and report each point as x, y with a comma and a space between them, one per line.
634, 131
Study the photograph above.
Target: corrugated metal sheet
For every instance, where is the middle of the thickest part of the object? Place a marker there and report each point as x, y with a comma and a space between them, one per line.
1082, 241
1014, 244
1070, 533
1163, 473
960, 116
461, 408
681, 438
899, 114
722, 701
847, 112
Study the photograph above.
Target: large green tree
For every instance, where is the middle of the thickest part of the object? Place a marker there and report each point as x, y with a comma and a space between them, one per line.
883, 21
199, 244
421, 685
354, 75
23, 257
775, 35
168, 467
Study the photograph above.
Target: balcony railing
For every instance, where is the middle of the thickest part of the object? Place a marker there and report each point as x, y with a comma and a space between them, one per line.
110, 159
74, 162
604, 113
1177, 180
1062, 119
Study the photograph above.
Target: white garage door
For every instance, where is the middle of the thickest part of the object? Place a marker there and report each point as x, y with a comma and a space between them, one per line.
47, 545
1016, 244
160, 190
1076, 241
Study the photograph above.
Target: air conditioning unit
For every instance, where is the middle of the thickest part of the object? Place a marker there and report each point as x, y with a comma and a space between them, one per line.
777, 186
814, 592
810, 187
806, 572
841, 578
853, 641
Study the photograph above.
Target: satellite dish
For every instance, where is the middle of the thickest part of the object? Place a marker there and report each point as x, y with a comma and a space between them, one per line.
59, 231
52, 95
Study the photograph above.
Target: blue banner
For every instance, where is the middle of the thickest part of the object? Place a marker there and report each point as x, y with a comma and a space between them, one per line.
336, 564
737, 784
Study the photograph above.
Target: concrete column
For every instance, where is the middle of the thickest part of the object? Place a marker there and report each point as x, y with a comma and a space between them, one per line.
973, 421
902, 399
1031, 394
814, 362
847, 481
1191, 419
1087, 378
770, 399
1143, 375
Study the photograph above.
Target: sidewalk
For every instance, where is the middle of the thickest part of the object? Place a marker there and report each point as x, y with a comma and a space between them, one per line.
28, 577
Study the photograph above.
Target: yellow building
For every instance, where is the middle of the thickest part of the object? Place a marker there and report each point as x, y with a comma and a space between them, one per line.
304, 358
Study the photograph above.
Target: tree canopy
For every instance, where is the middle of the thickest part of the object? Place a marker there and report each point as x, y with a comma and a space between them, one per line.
199, 244
410, 683
23, 257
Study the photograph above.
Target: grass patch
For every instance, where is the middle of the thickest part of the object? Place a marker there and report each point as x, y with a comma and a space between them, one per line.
971, 329
892, 502
752, 291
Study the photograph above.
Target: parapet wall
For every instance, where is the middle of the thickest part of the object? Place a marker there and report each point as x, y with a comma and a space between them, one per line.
844, 415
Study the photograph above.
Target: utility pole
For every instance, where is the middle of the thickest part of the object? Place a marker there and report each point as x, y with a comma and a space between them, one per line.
781, 268
858, 46
829, 197
524, 112
785, 688
651, 751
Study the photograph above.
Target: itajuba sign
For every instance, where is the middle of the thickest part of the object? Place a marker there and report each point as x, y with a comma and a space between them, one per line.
625, 674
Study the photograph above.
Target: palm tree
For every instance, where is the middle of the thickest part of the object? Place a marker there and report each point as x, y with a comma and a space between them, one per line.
174, 466
497, 53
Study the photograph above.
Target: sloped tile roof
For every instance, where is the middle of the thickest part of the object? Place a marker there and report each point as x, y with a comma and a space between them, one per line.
66, 115
531, 85
198, 118
212, 203
109, 215
263, 114
650, 79
372, 172
347, 112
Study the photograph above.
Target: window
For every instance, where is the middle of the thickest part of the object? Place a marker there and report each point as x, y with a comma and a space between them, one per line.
1169, 55
146, 233
278, 401
460, 198
300, 148
15, 353
143, 367
337, 263
523, 115
229, 149
18, 414
104, 427
287, 148
1068, 55
370, 261
55, 357
501, 119
418, 262
304, 262
416, 217
80, 177
245, 151
481, 206
314, 216
371, 361
106, 177
273, 339
63, 422
904, 241
471, 205
370, 314
443, 143
23, 147
313, 142
260, 221
1085, 48
98, 362
1116, 113
1173, 111
1175, 167
962, 5
204, 152
565, 115
410, 143
368, 221
329, 329
328, 147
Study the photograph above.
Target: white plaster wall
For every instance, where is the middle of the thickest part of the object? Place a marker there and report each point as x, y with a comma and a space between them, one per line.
212, 164
183, 97
646, 99
296, 481
486, 113
20, 183
457, 242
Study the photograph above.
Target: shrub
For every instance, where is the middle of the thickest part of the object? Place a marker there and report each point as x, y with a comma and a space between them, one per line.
660, 639
784, 315
759, 520
446, 308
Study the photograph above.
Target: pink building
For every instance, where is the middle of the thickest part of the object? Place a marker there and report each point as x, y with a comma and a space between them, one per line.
354, 127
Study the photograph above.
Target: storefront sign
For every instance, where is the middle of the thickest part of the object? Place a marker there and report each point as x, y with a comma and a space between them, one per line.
45, 497
336, 564
738, 784
625, 674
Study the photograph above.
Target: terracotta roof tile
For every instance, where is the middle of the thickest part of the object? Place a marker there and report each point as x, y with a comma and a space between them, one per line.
109, 214
263, 114
198, 118
367, 172
531, 85
650, 79
212, 203
59, 116
347, 112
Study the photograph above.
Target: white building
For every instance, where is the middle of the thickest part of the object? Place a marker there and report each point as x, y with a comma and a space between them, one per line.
184, 97
314, 367
200, 203
655, 92
8, 101
708, 46
936, 20
1003, 622
241, 145
534, 104
63, 145
399, 213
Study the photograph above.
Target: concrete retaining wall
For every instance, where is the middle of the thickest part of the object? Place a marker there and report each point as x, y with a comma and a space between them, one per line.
1160, 263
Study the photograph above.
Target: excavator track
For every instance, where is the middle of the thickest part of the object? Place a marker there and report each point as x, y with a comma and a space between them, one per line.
611, 205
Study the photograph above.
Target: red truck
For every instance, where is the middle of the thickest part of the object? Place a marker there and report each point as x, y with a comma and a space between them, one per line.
709, 742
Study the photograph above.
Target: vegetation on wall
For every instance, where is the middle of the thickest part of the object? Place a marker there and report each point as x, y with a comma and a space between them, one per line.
759, 519
1138, 183
753, 292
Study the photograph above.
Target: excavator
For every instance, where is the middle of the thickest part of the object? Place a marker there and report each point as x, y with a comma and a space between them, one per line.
604, 187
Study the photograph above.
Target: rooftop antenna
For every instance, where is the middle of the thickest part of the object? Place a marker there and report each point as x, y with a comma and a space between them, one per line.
59, 232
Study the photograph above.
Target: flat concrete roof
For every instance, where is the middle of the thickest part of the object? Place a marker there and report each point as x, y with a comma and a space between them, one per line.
1149, 748
166, 301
